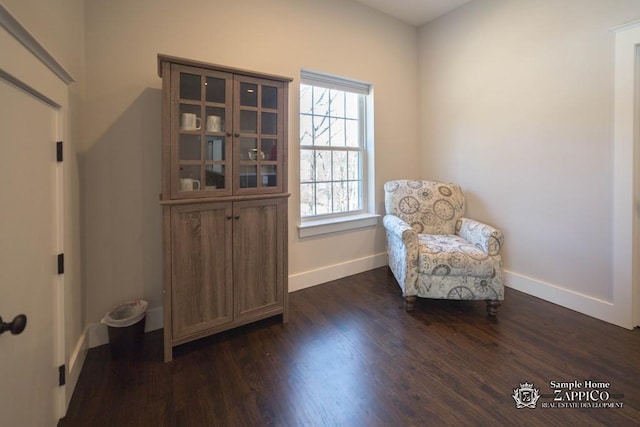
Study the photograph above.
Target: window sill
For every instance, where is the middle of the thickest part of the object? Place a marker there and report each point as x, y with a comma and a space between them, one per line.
333, 225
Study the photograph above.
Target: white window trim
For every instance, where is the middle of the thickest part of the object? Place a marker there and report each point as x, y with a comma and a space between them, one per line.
330, 81
318, 225
336, 224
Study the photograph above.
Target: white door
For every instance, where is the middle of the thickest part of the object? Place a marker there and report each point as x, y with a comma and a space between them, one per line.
29, 390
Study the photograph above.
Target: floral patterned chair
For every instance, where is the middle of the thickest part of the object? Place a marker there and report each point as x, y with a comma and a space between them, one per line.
434, 251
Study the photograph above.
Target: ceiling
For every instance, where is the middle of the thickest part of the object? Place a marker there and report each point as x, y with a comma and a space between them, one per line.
414, 12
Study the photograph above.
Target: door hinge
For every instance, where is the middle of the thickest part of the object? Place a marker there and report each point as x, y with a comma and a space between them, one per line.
62, 375
59, 151
60, 263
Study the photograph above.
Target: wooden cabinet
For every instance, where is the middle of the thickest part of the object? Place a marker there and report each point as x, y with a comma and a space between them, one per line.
224, 198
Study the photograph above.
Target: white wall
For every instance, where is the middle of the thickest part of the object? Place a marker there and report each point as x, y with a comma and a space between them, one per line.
59, 27
517, 107
121, 159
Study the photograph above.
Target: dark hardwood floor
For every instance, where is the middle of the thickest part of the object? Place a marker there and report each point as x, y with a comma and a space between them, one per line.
351, 356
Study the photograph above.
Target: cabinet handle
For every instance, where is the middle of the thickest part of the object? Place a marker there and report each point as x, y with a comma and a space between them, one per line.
237, 135
237, 217
228, 216
229, 134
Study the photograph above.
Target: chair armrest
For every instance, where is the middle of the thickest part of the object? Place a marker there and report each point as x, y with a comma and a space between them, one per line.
402, 250
481, 235
401, 229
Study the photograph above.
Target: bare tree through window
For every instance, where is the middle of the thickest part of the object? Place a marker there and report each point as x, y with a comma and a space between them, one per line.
331, 151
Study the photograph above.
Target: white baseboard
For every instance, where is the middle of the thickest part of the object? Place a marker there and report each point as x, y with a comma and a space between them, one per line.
585, 304
76, 360
310, 278
98, 334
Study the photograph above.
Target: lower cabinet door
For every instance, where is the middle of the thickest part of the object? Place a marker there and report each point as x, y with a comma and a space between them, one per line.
201, 258
258, 239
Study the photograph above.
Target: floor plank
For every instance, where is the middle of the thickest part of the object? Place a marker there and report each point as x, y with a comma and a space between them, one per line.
351, 356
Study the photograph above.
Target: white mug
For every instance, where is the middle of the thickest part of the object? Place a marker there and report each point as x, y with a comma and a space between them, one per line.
188, 184
214, 124
189, 121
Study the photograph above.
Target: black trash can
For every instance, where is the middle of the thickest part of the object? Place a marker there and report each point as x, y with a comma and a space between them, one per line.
126, 329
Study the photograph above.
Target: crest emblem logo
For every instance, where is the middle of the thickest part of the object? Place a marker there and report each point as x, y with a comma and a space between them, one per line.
526, 396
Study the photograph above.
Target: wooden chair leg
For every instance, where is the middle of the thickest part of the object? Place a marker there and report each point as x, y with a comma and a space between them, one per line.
410, 302
492, 306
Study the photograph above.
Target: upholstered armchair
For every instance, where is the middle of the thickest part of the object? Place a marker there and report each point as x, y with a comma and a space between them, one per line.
434, 251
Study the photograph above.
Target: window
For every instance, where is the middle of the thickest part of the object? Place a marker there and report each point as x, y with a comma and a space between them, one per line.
333, 147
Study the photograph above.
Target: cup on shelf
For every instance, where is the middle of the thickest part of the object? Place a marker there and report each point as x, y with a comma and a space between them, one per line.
188, 184
189, 121
214, 124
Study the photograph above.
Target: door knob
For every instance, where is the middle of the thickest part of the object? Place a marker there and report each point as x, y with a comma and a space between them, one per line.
16, 326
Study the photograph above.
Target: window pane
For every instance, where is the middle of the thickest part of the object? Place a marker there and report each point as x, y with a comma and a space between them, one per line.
337, 103
355, 195
270, 123
214, 177
337, 133
248, 148
320, 101
340, 197
321, 130
352, 133
215, 148
323, 198
190, 86
353, 165
215, 90
270, 149
189, 147
269, 97
248, 95
339, 165
306, 99
323, 166
269, 175
248, 121
307, 172
248, 176
307, 199
306, 130
352, 107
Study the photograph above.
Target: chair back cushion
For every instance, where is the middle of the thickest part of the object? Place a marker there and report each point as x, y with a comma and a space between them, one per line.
429, 207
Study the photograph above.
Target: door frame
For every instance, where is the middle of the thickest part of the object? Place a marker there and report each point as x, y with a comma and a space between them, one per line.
626, 176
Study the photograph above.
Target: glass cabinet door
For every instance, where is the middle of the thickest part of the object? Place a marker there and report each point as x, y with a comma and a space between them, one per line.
202, 122
259, 135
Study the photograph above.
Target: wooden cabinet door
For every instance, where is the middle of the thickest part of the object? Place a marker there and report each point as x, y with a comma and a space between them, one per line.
258, 229
201, 244
201, 122
259, 122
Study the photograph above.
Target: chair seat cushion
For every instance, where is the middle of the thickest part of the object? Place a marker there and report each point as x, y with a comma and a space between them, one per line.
450, 255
